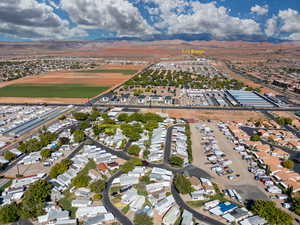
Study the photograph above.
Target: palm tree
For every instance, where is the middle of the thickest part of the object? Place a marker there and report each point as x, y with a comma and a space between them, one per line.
268, 170
289, 192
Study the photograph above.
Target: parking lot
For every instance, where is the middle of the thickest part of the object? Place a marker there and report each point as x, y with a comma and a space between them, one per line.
245, 183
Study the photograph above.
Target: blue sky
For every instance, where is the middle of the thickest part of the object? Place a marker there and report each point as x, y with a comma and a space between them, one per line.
25, 20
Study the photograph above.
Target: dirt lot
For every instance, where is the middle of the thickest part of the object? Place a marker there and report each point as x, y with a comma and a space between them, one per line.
223, 67
66, 77
209, 115
246, 185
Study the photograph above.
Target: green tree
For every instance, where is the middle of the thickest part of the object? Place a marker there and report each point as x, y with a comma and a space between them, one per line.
97, 186
9, 156
255, 137
46, 153
84, 125
296, 205
34, 199
81, 180
60, 168
284, 121
288, 164
142, 219
63, 117
97, 197
94, 115
130, 164
123, 117
151, 125
176, 161
9, 213
80, 116
79, 136
134, 150
273, 215
182, 184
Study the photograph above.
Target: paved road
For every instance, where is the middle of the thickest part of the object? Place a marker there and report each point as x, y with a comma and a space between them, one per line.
109, 206
196, 214
192, 170
212, 108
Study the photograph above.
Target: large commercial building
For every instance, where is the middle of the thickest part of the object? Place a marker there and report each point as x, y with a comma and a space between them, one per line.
249, 99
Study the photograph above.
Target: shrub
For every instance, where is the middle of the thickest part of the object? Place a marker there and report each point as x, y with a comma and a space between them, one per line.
182, 184
288, 164
268, 210
142, 219
255, 137
176, 161
9, 156
134, 150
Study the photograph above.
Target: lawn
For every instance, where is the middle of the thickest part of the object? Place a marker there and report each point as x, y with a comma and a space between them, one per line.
127, 72
51, 90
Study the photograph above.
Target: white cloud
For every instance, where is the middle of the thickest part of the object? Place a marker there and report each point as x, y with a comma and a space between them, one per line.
204, 18
271, 26
118, 16
291, 20
260, 10
290, 25
33, 20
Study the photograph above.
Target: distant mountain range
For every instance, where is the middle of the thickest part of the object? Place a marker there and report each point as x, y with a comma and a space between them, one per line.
192, 37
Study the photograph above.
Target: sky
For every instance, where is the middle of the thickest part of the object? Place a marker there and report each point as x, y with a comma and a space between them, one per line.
32, 20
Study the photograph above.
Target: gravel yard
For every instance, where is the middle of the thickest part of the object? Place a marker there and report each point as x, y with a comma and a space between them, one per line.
245, 184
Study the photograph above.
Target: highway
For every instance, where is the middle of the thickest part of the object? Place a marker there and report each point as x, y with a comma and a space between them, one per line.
211, 108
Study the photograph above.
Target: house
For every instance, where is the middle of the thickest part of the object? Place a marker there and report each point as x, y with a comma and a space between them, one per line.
83, 192
164, 205
154, 187
222, 208
125, 179
54, 215
254, 220
94, 175
15, 152
101, 219
113, 165
90, 211
3, 161
198, 196
171, 216
137, 203
129, 196
81, 202
236, 215
66, 222
187, 218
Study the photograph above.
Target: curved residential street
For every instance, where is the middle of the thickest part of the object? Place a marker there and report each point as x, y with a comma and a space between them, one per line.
192, 170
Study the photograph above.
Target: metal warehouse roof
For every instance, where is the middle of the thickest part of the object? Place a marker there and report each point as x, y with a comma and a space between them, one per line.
248, 98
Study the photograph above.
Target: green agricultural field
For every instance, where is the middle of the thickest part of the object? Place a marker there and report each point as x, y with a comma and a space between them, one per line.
127, 72
51, 91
